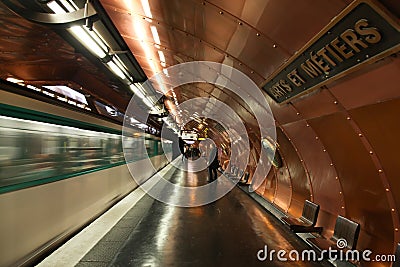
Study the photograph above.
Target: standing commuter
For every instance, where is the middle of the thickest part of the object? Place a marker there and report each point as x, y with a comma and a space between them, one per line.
213, 165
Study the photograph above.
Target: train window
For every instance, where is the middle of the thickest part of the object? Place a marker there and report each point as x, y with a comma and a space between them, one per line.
38, 151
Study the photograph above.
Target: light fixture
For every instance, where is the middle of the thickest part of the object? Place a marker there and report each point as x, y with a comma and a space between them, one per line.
156, 37
146, 8
15, 80
161, 55
55, 7
117, 71
95, 42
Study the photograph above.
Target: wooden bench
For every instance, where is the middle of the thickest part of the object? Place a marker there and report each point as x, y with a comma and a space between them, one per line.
306, 223
344, 229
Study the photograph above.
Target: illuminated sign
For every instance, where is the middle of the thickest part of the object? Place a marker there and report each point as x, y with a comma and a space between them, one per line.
362, 33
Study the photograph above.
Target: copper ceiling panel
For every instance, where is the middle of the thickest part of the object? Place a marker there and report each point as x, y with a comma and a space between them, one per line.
393, 6
365, 197
236, 7
371, 87
291, 23
283, 113
300, 185
317, 163
380, 125
316, 105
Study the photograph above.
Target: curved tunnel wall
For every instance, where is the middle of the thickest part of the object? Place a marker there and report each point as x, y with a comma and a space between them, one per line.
340, 149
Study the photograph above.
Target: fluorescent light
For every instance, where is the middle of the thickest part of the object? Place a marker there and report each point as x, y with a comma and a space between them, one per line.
116, 69
69, 6
161, 55
55, 7
136, 91
146, 8
80, 34
156, 37
147, 102
97, 39
33, 88
119, 63
14, 80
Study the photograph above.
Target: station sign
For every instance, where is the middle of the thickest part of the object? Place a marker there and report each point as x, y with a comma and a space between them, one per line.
363, 33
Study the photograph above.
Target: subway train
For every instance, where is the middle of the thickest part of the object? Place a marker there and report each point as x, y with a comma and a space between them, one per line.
56, 178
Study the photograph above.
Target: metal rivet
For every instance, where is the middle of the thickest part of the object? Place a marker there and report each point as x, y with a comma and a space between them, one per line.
317, 137
298, 113
331, 164
393, 210
396, 229
252, 71
258, 34
240, 23
360, 135
335, 102
380, 171
371, 152
308, 125
348, 118
274, 46
221, 12
387, 189
342, 207
336, 178
324, 150
340, 193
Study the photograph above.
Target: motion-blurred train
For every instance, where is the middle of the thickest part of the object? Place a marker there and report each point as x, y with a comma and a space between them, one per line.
60, 169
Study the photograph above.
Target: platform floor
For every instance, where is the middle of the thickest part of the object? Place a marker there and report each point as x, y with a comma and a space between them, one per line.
227, 232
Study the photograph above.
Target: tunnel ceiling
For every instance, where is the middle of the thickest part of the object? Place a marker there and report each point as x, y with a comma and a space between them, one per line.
255, 37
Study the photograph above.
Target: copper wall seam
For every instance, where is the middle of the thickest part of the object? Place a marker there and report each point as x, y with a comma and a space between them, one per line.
342, 211
291, 184
250, 26
194, 37
301, 158
287, 168
380, 171
343, 206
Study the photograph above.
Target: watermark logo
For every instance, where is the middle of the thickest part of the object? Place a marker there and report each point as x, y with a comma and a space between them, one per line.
332, 254
221, 82
341, 243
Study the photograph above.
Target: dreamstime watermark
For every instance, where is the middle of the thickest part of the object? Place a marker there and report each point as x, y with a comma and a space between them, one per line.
231, 94
339, 253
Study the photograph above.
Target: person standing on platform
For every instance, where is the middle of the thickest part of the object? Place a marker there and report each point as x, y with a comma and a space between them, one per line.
213, 165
